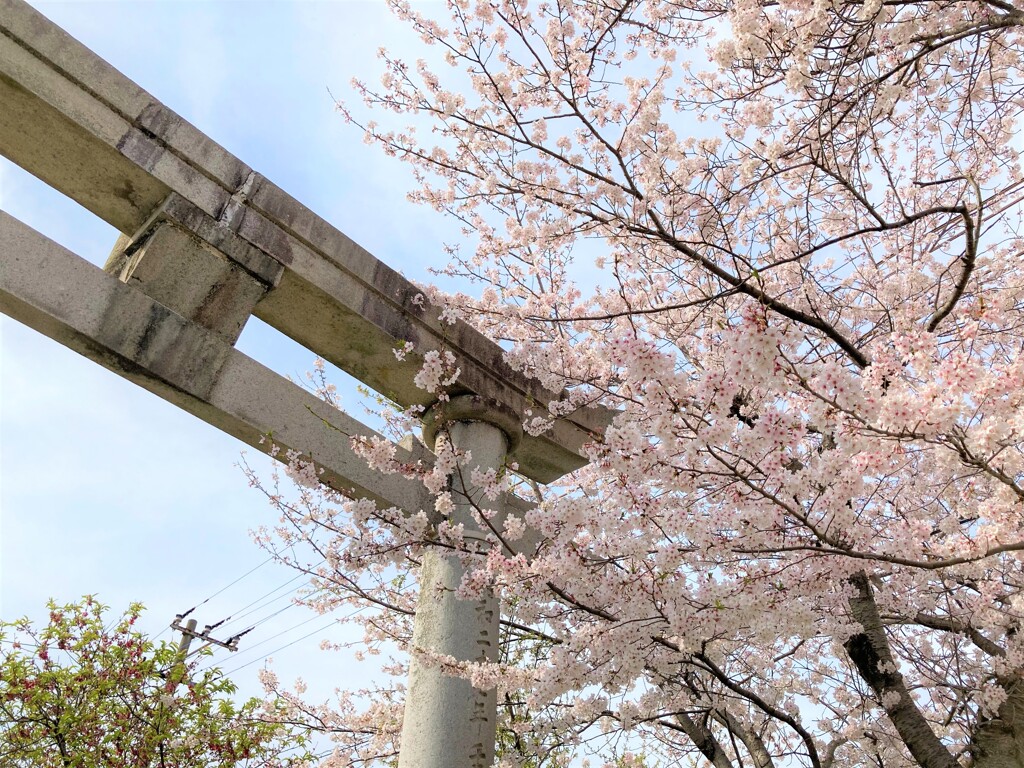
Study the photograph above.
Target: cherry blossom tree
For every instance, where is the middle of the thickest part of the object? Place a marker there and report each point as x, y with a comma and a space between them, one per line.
781, 238
82, 693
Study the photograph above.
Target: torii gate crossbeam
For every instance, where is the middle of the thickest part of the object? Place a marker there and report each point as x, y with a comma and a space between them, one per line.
206, 243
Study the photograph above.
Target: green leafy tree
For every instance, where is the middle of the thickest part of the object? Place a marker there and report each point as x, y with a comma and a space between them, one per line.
85, 693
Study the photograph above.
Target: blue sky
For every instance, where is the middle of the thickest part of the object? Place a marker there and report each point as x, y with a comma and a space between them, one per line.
105, 488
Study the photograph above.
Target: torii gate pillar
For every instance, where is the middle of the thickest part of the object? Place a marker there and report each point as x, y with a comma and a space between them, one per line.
448, 723
208, 242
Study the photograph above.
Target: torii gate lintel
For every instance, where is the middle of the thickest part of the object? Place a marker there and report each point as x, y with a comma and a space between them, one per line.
87, 130
207, 242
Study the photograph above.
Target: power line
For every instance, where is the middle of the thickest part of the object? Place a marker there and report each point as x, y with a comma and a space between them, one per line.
250, 608
236, 616
247, 573
215, 594
276, 650
330, 624
278, 612
260, 604
232, 643
274, 636
224, 589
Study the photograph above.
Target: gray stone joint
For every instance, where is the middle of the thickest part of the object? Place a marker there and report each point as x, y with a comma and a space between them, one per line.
472, 408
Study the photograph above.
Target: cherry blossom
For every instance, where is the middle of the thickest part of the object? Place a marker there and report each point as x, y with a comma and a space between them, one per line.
781, 240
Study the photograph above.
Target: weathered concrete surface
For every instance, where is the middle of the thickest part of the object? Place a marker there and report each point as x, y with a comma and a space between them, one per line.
216, 233
66, 298
61, 295
95, 154
183, 273
448, 723
211, 241
121, 153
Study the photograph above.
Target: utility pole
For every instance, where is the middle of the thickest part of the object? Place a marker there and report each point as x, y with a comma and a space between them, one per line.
189, 631
188, 634
178, 671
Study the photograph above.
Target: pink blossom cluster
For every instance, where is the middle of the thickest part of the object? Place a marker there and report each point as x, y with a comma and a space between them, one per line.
782, 240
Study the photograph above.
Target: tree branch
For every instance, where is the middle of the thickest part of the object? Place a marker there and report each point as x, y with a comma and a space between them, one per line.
704, 740
870, 652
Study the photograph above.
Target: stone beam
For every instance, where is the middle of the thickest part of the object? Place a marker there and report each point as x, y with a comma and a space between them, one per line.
61, 295
77, 123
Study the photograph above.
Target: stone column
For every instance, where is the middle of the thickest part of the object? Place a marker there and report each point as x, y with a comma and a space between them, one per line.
448, 723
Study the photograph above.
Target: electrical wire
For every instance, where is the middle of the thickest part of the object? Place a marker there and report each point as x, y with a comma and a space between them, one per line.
259, 604
277, 650
236, 616
278, 612
267, 618
224, 589
273, 637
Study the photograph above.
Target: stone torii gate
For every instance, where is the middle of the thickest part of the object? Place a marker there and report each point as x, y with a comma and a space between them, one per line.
207, 242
